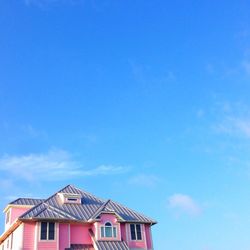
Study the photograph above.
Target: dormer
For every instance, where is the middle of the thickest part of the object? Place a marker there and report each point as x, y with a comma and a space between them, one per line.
107, 227
69, 198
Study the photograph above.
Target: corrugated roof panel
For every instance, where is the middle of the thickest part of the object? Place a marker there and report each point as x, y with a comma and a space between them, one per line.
111, 245
26, 201
90, 207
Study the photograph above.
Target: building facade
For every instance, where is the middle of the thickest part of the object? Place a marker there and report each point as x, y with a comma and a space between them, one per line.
74, 219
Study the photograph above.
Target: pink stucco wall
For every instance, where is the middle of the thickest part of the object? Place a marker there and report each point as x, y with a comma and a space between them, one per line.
29, 235
148, 236
46, 245
79, 234
16, 212
64, 241
123, 232
108, 217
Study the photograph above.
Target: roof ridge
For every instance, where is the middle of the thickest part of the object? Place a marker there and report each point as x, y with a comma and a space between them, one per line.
57, 210
39, 212
28, 211
83, 191
44, 201
99, 209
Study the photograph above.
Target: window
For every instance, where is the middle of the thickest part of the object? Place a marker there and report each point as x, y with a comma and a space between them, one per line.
108, 231
135, 230
7, 217
71, 199
47, 231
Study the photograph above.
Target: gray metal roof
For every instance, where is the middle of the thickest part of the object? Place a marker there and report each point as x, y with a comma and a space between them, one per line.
26, 201
91, 206
81, 247
111, 245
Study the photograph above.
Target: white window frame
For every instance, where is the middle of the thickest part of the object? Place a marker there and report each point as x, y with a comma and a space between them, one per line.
141, 226
112, 231
47, 233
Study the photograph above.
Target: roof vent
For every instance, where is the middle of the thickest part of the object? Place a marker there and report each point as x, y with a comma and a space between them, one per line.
68, 198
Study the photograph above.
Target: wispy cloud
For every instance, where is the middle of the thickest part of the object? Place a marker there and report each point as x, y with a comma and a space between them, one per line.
234, 126
234, 120
144, 180
53, 165
105, 170
182, 203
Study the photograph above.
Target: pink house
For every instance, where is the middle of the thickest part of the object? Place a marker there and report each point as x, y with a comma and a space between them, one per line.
74, 219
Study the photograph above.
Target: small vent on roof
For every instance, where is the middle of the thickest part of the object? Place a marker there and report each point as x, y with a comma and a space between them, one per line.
68, 198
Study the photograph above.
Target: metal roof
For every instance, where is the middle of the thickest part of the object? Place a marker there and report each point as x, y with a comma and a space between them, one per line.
80, 247
90, 207
26, 201
111, 245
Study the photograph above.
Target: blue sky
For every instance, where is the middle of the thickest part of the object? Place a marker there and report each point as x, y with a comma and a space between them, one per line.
144, 102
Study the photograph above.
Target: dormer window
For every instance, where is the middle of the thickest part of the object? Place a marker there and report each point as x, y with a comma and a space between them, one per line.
67, 198
108, 231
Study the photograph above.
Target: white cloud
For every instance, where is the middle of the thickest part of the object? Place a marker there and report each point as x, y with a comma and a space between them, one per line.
105, 170
235, 126
232, 119
182, 203
144, 180
53, 165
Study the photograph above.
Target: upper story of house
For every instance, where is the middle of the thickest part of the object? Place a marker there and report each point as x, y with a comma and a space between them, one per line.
73, 217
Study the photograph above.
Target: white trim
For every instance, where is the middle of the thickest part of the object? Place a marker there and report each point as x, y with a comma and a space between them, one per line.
35, 240
22, 225
17, 206
112, 231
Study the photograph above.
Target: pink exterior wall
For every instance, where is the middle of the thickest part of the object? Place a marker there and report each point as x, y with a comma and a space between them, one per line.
29, 235
108, 217
17, 212
123, 232
148, 236
64, 233
79, 234
46, 245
